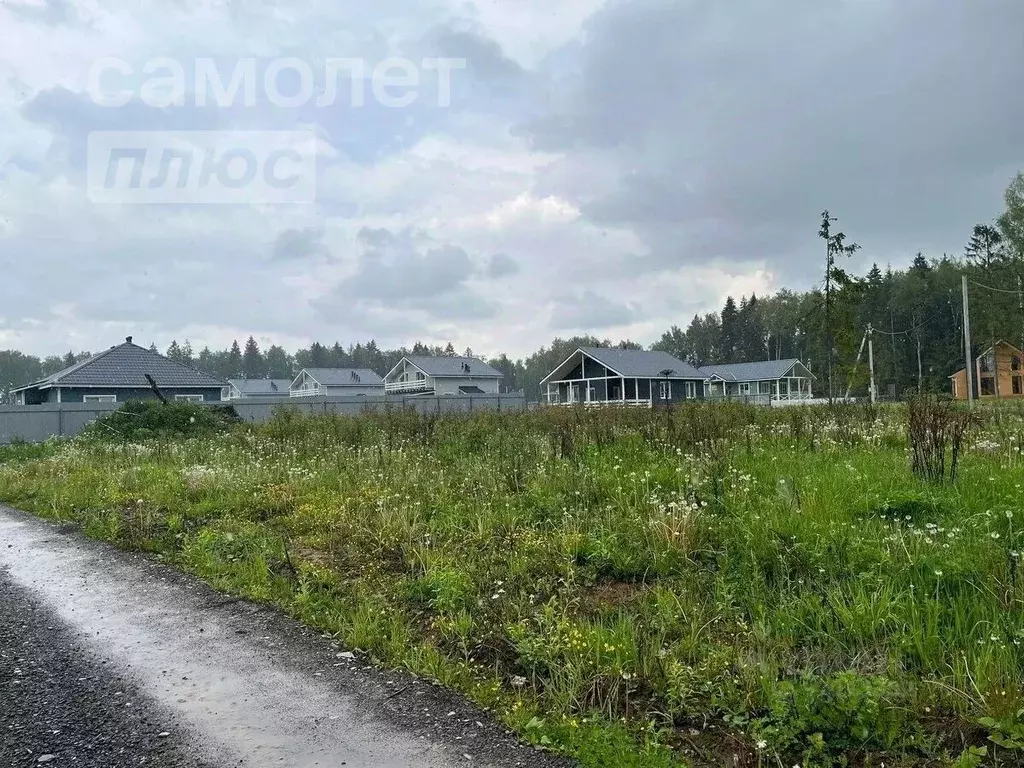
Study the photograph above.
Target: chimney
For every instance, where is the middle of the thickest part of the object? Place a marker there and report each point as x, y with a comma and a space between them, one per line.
128, 339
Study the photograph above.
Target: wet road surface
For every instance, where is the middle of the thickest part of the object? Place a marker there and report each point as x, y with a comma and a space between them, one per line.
111, 659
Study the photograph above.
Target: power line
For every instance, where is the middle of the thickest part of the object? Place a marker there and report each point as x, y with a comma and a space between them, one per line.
917, 327
991, 288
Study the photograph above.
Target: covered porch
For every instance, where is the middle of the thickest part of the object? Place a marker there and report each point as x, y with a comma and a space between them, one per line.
786, 388
581, 379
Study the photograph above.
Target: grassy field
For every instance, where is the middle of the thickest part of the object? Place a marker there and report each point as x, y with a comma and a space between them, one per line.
713, 585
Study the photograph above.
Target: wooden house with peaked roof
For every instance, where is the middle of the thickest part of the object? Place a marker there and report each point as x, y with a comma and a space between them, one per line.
998, 373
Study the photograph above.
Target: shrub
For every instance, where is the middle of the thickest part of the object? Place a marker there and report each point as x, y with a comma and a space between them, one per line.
144, 419
934, 425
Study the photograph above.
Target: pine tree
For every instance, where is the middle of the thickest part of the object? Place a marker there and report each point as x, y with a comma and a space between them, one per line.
449, 351
174, 351
835, 246
753, 342
986, 247
69, 359
234, 362
279, 363
730, 331
252, 360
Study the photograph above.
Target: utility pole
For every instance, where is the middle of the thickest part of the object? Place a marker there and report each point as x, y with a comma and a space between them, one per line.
856, 363
1020, 304
895, 369
871, 361
967, 343
917, 333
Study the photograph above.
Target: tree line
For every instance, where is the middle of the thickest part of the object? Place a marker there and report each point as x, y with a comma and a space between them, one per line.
915, 313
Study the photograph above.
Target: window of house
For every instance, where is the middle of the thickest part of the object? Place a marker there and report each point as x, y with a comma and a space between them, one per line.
955, 393
1015, 363
744, 388
988, 361
591, 394
764, 387
1018, 385
988, 385
99, 399
665, 390
189, 398
691, 390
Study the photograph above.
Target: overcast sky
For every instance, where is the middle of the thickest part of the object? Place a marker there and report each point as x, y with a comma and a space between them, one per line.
602, 167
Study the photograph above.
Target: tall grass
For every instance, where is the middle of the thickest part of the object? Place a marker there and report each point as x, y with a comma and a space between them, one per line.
706, 585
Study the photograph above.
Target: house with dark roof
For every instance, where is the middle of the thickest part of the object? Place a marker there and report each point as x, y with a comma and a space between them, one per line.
337, 382
239, 389
764, 382
597, 375
422, 375
119, 374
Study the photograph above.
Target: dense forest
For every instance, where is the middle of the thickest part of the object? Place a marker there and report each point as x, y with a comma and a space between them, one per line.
915, 314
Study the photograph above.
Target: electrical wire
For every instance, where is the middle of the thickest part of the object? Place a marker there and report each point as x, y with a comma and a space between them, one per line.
917, 327
997, 290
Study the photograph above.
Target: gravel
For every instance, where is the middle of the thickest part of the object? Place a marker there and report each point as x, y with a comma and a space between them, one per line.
236, 683
59, 705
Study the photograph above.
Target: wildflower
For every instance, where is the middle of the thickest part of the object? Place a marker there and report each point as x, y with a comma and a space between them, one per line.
761, 744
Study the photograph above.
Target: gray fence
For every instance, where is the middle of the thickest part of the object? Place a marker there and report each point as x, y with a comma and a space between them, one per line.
36, 423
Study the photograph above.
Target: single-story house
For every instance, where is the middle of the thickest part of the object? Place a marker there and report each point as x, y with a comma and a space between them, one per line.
997, 373
237, 389
119, 374
344, 382
597, 375
763, 382
422, 375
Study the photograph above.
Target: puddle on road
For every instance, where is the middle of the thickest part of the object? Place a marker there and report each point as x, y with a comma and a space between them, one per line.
222, 684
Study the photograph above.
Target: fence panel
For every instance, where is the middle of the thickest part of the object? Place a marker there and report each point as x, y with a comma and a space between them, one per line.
36, 423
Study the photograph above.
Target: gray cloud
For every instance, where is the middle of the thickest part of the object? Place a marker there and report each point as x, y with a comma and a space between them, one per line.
502, 265
484, 57
732, 126
296, 244
53, 13
589, 310
394, 273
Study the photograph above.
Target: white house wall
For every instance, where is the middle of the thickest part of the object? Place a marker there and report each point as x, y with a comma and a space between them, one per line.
447, 386
369, 391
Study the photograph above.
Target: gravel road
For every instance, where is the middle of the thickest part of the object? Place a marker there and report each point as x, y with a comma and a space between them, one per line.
110, 659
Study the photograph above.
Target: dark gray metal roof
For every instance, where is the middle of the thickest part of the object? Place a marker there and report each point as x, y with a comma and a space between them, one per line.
344, 377
126, 365
643, 364
261, 386
765, 370
454, 366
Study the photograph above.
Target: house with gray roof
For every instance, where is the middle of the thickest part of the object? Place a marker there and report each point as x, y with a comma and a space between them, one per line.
602, 376
343, 382
119, 374
446, 376
766, 382
239, 389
